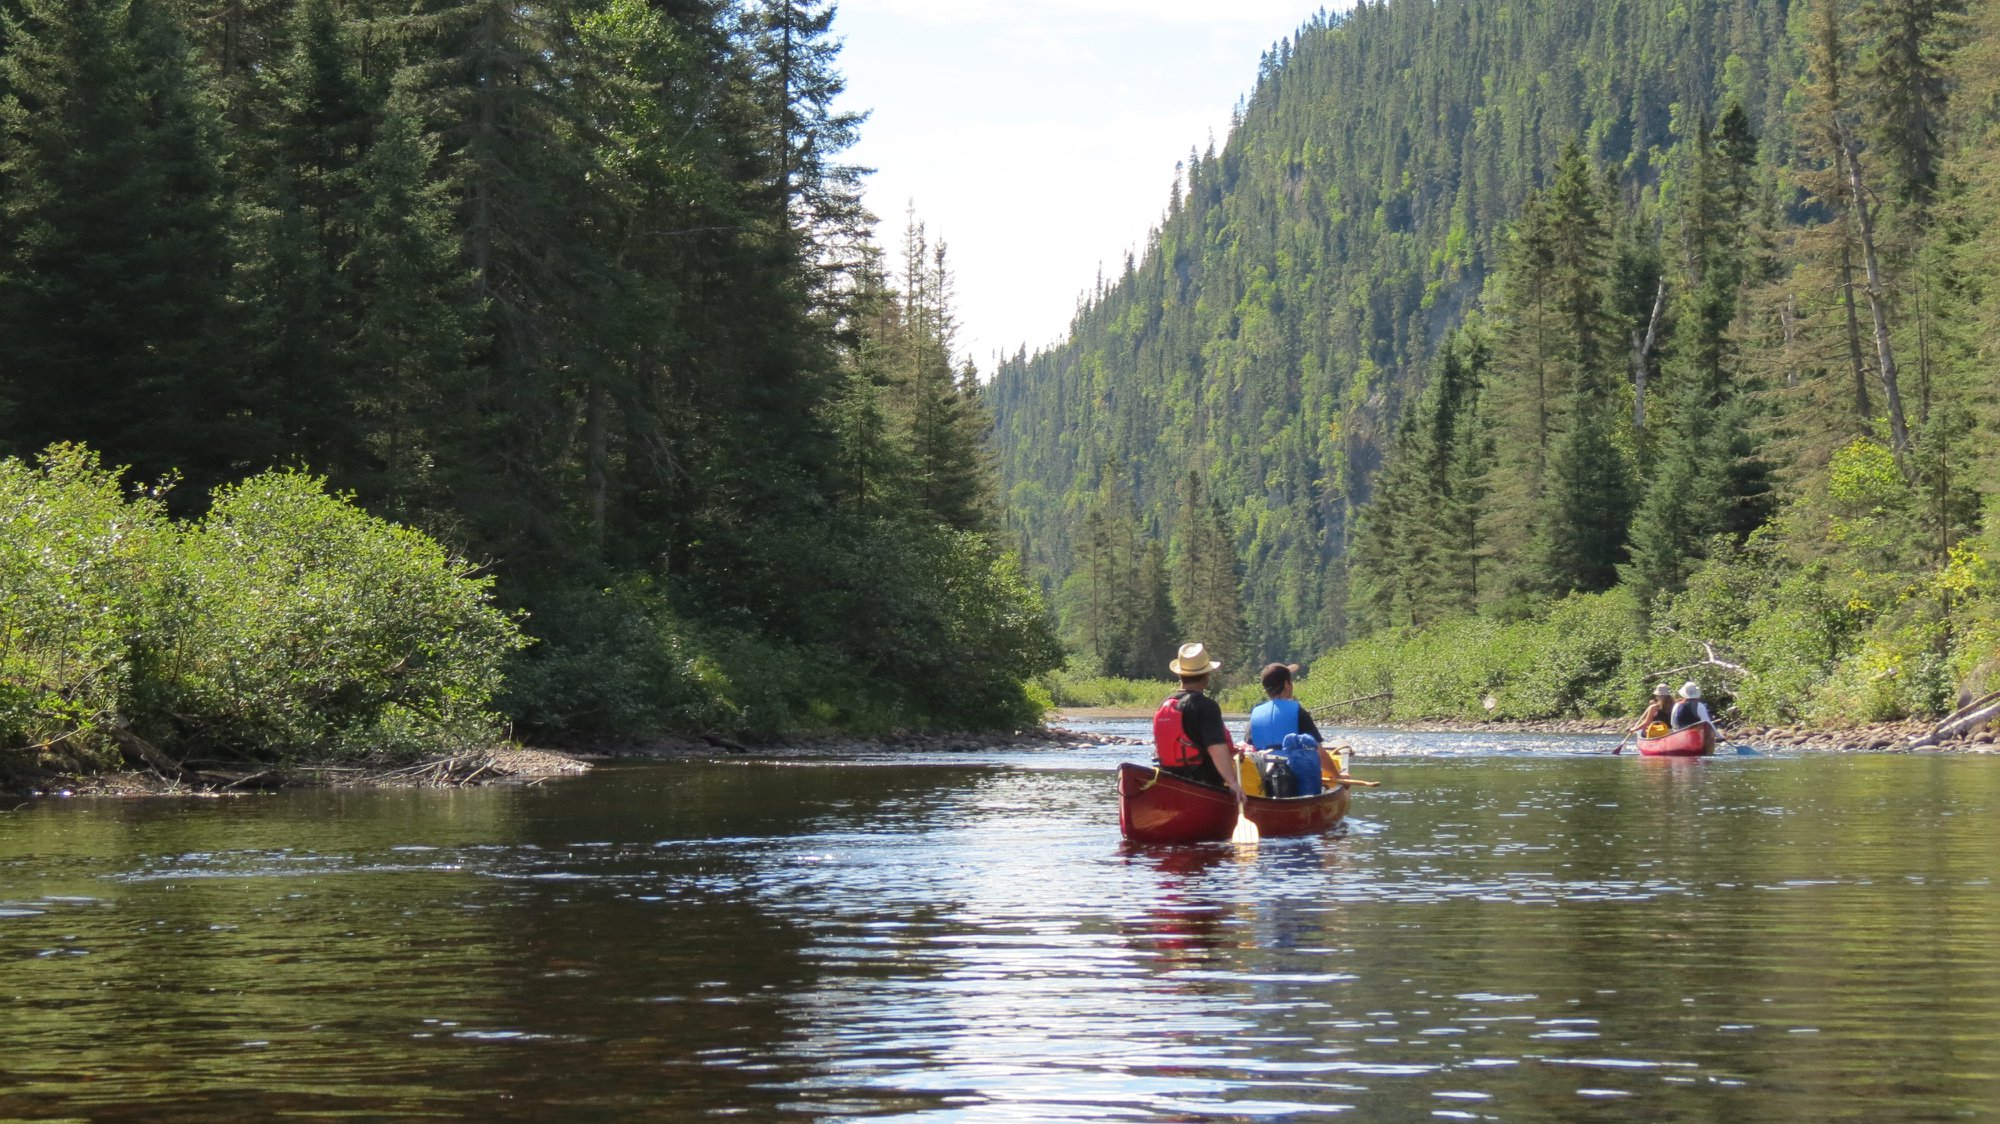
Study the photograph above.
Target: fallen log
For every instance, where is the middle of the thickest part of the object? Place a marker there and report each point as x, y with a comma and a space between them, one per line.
1965, 718
140, 750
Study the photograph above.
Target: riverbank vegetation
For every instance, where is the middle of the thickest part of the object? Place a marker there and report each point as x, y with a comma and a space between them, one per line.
283, 624
1603, 345
583, 291
1074, 685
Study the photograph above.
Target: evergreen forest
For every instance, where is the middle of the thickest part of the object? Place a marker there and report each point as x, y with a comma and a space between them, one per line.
580, 294
1504, 358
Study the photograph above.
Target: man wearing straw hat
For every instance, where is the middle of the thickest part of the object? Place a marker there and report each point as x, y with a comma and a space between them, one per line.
1196, 746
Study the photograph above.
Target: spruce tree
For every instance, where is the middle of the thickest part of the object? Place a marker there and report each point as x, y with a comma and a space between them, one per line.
1207, 578
1154, 630
1708, 479
945, 419
1589, 503
113, 251
302, 214
416, 327
1905, 85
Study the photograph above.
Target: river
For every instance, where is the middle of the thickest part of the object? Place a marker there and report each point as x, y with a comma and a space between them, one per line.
1512, 928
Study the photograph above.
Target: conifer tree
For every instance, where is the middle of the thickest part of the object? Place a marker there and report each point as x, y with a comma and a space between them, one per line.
1207, 577
302, 214
822, 194
417, 328
1154, 630
945, 419
1904, 84
1708, 479
113, 252
865, 459
1416, 556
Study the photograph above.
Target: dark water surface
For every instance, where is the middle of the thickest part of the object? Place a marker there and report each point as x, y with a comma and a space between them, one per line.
1508, 930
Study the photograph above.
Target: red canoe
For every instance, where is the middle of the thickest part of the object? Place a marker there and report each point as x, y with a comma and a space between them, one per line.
1695, 741
1154, 807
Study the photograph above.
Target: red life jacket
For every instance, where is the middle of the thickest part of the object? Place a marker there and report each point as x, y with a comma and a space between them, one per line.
1170, 738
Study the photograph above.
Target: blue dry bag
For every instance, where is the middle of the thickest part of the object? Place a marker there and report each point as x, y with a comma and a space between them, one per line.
1301, 752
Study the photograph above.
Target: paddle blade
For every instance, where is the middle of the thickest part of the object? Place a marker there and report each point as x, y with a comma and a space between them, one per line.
1246, 832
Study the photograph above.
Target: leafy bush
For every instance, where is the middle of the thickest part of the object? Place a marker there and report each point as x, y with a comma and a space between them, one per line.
304, 625
1571, 661
1815, 641
1076, 683
911, 627
286, 621
74, 560
611, 660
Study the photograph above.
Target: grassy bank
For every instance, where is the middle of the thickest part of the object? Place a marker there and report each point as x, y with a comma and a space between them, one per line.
1772, 641
1078, 686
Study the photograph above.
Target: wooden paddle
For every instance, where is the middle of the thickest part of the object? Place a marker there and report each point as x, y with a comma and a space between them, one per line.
1246, 831
1620, 747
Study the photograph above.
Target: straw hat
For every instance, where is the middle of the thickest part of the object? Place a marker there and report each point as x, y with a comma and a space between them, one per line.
1192, 661
1690, 690
1663, 691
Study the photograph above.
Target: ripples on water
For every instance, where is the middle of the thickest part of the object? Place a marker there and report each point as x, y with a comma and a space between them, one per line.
1512, 929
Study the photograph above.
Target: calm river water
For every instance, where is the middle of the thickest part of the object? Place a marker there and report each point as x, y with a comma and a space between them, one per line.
1512, 928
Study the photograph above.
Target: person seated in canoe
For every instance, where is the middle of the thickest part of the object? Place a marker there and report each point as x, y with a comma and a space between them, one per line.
1653, 723
1280, 714
1691, 711
1188, 733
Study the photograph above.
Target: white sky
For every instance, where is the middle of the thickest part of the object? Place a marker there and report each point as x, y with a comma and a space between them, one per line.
1037, 138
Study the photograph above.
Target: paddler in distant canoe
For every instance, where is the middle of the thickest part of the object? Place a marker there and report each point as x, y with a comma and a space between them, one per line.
1653, 723
1280, 714
1691, 711
1188, 732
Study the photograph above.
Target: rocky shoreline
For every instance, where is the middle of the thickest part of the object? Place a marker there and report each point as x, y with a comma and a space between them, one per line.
1881, 737
514, 764
532, 765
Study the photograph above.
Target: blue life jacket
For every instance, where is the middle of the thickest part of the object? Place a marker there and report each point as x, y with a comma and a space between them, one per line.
1272, 720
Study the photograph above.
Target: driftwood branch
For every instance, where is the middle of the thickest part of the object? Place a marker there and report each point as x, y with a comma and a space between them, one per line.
1962, 720
145, 752
1710, 660
1352, 701
446, 771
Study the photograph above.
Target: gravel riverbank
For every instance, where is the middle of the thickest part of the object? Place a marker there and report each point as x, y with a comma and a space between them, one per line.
531, 765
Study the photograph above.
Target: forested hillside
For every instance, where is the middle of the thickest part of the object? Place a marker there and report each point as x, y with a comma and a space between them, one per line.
1631, 341
1304, 273
582, 289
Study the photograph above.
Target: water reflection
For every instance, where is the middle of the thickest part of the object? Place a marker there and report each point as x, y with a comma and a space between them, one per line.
1527, 934
1185, 924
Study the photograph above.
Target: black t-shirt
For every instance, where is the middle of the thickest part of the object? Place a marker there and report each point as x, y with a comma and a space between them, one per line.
1202, 719
1308, 726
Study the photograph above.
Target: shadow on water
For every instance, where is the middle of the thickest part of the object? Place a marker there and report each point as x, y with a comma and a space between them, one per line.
1515, 933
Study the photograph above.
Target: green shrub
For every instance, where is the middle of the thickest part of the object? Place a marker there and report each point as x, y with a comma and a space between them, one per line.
911, 628
302, 625
1570, 662
613, 660
1077, 684
74, 562
287, 621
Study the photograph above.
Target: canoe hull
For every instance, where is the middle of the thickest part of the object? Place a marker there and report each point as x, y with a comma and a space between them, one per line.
1695, 741
1154, 807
